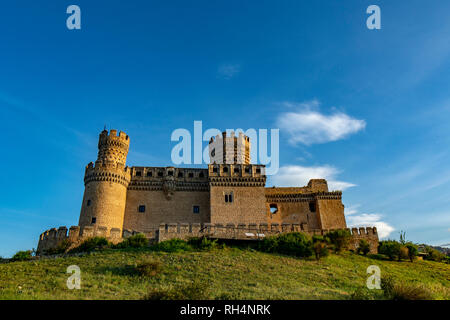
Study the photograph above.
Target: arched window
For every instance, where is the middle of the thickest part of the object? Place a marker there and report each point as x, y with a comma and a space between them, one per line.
226, 198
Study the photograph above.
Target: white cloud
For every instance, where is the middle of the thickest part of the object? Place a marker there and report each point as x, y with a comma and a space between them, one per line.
228, 71
309, 126
298, 176
355, 219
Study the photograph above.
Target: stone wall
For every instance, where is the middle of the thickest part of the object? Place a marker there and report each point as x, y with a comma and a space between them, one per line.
75, 235
257, 231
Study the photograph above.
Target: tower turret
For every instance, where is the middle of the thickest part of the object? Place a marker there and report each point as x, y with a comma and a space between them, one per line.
106, 183
229, 149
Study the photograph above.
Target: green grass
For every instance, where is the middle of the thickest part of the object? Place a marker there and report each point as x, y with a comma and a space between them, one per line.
229, 273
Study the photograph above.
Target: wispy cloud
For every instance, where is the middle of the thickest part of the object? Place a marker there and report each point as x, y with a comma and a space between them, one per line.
356, 219
308, 126
298, 176
228, 71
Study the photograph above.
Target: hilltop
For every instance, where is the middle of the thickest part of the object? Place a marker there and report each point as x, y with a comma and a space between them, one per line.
227, 273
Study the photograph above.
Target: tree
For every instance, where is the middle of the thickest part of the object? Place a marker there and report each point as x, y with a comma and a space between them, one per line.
339, 238
364, 247
320, 246
413, 251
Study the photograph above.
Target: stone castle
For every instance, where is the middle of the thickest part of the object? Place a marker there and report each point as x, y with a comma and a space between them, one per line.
227, 200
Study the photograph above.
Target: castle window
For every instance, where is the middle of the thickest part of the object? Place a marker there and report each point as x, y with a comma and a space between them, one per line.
201, 174
215, 169
94, 220
236, 170
180, 174
229, 197
312, 206
170, 173
191, 175
138, 173
213, 152
88, 203
196, 209
225, 169
273, 208
160, 174
247, 169
258, 170
149, 173
141, 208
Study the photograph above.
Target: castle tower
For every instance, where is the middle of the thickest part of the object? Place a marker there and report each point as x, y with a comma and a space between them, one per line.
106, 183
229, 149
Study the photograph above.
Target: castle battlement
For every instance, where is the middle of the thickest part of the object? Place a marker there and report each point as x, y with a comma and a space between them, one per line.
75, 235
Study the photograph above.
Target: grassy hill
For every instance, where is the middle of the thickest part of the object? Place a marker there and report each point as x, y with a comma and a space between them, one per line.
230, 273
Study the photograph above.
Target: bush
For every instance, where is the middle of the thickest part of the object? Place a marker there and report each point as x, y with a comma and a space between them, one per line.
364, 247
412, 251
203, 243
433, 254
340, 239
361, 294
137, 241
173, 245
392, 249
295, 243
320, 247
22, 256
91, 244
193, 291
402, 291
403, 253
149, 268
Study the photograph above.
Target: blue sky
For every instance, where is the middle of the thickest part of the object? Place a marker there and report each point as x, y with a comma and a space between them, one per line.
367, 109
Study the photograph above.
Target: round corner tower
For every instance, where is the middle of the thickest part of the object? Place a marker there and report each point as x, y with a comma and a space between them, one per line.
106, 183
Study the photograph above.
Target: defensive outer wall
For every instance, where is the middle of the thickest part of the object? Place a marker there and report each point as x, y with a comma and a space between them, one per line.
75, 235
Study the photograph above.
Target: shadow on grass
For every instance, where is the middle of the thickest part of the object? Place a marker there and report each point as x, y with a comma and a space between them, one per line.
124, 270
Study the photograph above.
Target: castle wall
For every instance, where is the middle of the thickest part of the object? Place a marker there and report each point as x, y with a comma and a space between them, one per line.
159, 209
248, 205
330, 213
292, 212
312, 205
245, 185
76, 235
258, 231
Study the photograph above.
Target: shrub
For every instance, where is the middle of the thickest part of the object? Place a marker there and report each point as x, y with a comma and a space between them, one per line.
364, 247
295, 243
402, 291
361, 294
391, 248
137, 241
22, 256
173, 245
339, 238
433, 254
320, 247
203, 243
403, 253
91, 244
412, 251
192, 291
149, 268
